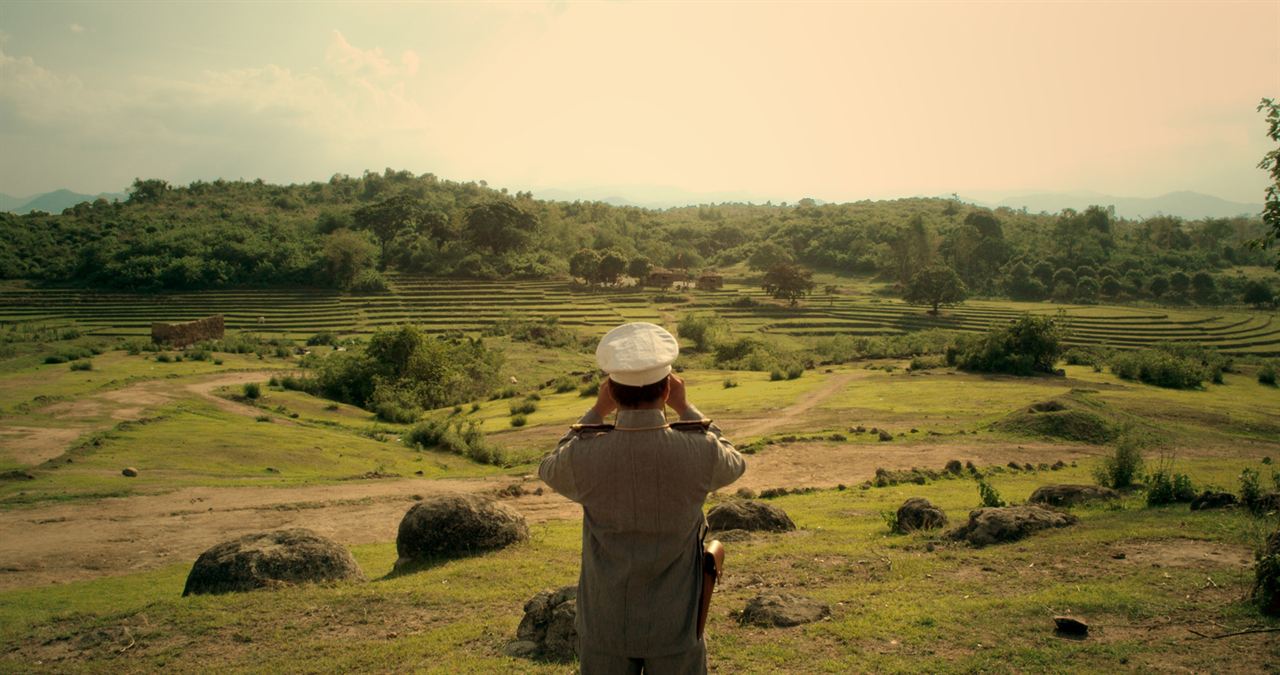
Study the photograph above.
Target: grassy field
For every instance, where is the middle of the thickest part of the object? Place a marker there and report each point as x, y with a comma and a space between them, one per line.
899, 603
92, 563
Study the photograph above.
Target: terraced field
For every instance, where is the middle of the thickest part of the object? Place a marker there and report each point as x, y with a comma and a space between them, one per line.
441, 304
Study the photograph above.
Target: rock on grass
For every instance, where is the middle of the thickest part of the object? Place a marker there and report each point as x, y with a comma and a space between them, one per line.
547, 629
1009, 523
455, 525
268, 560
1070, 495
919, 513
783, 610
749, 515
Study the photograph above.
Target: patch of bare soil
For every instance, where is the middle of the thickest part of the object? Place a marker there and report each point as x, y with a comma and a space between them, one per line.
36, 445
1186, 553
793, 412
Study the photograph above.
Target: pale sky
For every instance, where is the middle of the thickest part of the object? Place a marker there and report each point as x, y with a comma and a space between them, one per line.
839, 101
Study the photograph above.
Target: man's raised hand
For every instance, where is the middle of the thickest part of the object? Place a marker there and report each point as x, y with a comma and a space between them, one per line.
676, 394
604, 400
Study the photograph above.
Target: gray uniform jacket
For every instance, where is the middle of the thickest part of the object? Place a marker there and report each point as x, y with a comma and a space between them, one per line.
641, 487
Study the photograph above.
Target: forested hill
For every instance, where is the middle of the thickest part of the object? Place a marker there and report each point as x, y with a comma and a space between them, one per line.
341, 232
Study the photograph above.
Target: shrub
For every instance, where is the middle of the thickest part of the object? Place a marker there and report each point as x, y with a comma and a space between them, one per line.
369, 281
1159, 367
1119, 469
263, 418
1082, 356
1031, 344
82, 365
1266, 584
589, 389
461, 438
730, 383
776, 375
164, 358
322, 338
702, 331
1251, 491
546, 332
395, 404
55, 358
519, 420
217, 362
794, 372
524, 407
564, 383
988, 494
1164, 486
1267, 375
252, 391
926, 363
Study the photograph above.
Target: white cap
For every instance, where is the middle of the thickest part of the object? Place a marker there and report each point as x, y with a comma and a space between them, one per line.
637, 354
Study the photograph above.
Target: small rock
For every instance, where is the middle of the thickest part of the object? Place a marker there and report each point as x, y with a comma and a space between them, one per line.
885, 436
917, 513
1118, 555
418, 472
521, 649
746, 493
783, 610
993, 525
1070, 495
130, 472
1213, 500
1071, 626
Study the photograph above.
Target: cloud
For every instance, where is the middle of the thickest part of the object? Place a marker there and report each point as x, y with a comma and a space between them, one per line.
76, 28
353, 105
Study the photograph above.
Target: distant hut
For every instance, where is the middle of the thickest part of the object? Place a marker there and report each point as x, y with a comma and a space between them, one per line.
663, 278
710, 281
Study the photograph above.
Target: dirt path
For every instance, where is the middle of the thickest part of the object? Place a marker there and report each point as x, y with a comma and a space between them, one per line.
756, 427
100, 411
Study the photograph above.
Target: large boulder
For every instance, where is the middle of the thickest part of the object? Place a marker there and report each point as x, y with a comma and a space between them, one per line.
1009, 523
454, 525
919, 513
270, 559
749, 515
1070, 495
782, 610
547, 629
1210, 499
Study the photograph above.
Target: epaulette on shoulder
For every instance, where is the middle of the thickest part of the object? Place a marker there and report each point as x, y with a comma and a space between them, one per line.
592, 428
692, 425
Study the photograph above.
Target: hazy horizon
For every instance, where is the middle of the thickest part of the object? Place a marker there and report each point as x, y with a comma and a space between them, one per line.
759, 101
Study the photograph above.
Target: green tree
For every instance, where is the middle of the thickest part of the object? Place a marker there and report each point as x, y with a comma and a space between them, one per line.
500, 226
1258, 294
1179, 282
345, 255
585, 264
1021, 285
639, 269
1271, 163
767, 255
1204, 287
1111, 286
786, 281
1087, 290
386, 218
1158, 286
612, 265
148, 191
935, 286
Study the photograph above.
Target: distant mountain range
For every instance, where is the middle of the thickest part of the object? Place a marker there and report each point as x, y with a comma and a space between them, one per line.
1185, 204
52, 202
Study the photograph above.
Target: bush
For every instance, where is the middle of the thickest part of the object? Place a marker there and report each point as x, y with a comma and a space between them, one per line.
164, 358
1082, 356
564, 383
55, 358
926, 363
82, 365
1164, 486
461, 438
703, 332
730, 383
1031, 344
1119, 469
988, 494
1267, 375
1251, 491
1160, 367
395, 404
322, 338
776, 375
252, 391
794, 372
519, 421
369, 281
525, 407
589, 389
